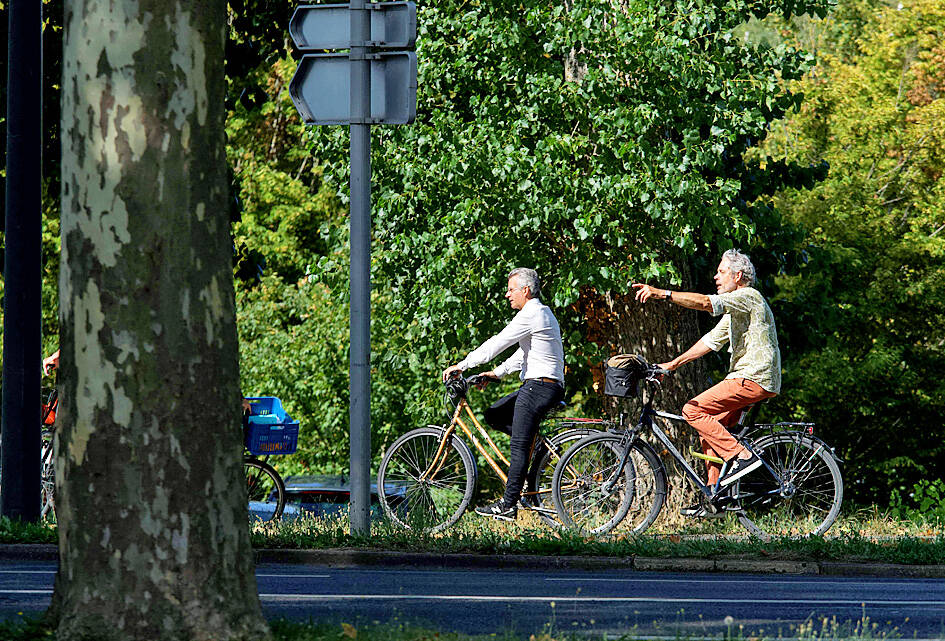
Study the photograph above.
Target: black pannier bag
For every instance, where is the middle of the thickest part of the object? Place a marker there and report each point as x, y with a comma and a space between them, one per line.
622, 373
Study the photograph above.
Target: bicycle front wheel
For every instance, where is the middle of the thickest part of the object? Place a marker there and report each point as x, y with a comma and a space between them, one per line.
265, 491
425, 483
593, 487
799, 496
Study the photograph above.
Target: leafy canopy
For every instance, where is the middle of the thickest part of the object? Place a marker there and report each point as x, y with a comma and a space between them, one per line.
862, 325
592, 140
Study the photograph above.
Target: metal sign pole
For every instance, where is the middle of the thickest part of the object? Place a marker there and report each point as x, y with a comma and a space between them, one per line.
325, 92
360, 355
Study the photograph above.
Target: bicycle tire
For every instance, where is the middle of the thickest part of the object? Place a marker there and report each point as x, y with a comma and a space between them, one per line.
804, 499
265, 491
47, 498
649, 489
587, 496
542, 473
427, 504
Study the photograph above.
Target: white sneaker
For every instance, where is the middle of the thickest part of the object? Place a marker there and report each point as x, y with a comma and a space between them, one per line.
740, 468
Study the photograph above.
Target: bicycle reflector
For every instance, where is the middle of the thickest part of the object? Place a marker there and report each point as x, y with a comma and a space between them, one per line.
810, 430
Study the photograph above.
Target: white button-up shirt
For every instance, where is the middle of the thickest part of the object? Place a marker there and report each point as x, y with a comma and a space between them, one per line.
540, 353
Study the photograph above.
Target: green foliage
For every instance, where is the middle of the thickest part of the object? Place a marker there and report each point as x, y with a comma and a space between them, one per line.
26, 630
591, 143
862, 326
925, 503
16, 531
292, 298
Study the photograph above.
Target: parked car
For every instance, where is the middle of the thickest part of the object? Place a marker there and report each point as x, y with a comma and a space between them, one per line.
323, 495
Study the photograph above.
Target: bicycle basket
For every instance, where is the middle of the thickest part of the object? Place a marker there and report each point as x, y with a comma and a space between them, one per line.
269, 430
622, 374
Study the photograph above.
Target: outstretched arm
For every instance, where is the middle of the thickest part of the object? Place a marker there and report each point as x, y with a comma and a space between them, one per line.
698, 350
688, 300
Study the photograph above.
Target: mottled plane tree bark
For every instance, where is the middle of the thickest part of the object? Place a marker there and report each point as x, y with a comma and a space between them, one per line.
152, 514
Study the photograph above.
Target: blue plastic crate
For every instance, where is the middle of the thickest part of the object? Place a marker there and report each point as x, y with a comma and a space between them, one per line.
268, 406
269, 430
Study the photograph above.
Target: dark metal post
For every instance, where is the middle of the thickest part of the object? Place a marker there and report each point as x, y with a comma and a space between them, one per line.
360, 356
22, 317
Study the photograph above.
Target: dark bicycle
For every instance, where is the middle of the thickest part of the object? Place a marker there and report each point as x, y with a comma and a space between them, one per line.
604, 479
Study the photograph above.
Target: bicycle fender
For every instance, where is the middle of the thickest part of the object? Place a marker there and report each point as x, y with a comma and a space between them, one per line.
809, 437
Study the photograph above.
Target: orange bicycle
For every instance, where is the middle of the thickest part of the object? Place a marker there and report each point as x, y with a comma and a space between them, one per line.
428, 476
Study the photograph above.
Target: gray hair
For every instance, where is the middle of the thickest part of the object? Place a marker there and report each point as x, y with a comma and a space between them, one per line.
739, 262
527, 278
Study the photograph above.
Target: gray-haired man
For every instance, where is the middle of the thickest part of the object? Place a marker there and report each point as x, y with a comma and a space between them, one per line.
747, 326
540, 358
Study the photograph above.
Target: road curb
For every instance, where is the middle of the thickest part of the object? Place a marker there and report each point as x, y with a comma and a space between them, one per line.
344, 557
841, 568
355, 557
29, 552
361, 557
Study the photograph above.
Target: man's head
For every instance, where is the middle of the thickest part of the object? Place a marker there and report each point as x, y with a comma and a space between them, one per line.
523, 285
735, 270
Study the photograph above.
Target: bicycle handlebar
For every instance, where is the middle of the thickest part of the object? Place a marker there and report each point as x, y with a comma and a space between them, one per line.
657, 373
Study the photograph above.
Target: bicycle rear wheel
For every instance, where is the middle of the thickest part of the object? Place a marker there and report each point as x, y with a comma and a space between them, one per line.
265, 491
592, 494
801, 498
538, 494
424, 486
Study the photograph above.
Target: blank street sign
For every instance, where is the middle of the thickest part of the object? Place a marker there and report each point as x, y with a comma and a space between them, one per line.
328, 26
321, 88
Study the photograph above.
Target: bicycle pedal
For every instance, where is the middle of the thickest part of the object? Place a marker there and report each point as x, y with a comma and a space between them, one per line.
535, 508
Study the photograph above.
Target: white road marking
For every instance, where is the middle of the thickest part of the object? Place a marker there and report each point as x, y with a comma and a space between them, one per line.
583, 599
295, 576
780, 581
27, 571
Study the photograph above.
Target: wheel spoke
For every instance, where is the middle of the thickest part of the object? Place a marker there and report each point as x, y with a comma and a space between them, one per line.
420, 489
805, 497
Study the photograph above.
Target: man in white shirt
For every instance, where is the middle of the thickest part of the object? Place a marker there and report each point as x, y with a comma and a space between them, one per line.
540, 358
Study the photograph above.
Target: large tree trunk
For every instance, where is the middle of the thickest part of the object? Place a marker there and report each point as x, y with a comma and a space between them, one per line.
658, 331
151, 506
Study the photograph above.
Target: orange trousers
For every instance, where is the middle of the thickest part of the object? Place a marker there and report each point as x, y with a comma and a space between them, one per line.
718, 408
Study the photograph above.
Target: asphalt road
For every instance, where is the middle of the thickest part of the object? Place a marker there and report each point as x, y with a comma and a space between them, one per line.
531, 601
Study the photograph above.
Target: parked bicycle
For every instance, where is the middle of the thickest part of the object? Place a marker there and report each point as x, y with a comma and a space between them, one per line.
47, 478
428, 476
47, 503
268, 431
607, 478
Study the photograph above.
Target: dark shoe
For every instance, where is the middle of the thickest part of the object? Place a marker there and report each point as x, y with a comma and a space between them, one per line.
498, 510
699, 511
739, 468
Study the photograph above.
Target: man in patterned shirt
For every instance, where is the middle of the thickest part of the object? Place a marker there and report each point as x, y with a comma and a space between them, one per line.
747, 326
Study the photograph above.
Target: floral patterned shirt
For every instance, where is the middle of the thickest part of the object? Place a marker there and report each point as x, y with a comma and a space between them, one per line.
748, 328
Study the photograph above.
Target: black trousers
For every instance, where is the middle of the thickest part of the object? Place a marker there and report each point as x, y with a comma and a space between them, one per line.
518, 415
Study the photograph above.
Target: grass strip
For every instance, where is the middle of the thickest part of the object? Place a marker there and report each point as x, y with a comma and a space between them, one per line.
481, 536
485, 538
820, 630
